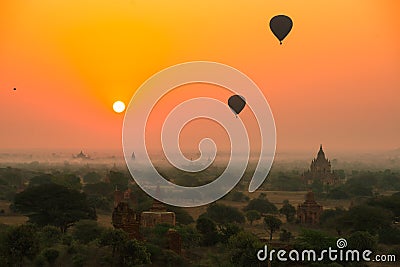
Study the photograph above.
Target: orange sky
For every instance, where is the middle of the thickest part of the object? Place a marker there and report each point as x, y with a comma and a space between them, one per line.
335, 80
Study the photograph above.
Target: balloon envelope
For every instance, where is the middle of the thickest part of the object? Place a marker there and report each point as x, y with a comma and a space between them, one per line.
280, 26
236, 103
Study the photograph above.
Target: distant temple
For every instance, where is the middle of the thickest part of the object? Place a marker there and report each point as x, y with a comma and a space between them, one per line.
310, 211
320, 170
81, 155
125, 218
157, 214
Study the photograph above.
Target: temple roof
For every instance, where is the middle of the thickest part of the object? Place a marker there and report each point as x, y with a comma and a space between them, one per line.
321, 153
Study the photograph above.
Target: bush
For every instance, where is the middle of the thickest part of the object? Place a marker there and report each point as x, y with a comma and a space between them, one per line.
50, 235
51, 255
261, 205
223, 214
86, 230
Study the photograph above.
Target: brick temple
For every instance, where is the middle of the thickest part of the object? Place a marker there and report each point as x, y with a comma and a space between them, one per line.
310, 211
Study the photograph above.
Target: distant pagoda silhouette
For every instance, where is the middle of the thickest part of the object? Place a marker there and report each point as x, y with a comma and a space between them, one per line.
81, 155
321, 170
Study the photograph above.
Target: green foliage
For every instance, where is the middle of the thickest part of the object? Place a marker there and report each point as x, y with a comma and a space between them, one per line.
252, 215
86, 231
50, 254
334, 219
208, 229
287, 182
317, 186
118, 179
243, 249
368, 218
171, 259
288, 210
391, 203
222, 214
389, 235
54, 205
113, 238
285, 235
102, 189
41, 179
190, 236
362, 241
49, 236
134, 253
261, 205
237, 196
157, 234
182, 216
125, 252
99, 202
91, 177
314, 239
338, 193
68, 180
228, 230
272, 224
18, 244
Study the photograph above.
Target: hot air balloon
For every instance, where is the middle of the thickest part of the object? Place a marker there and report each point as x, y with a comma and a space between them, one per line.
280, 26
236, 103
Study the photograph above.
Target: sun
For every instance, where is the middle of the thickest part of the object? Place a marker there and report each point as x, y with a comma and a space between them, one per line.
118, 106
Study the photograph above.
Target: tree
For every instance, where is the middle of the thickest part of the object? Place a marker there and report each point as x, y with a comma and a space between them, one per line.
68, 180
92, 177
243, 249
252, 215
228, 230
102, 189
182, 216
288, 210
114, 238
261, 205
362, 241
51, 255
389, 235
313, 239
285, 235
52, 204
20, 243
134, 253
86, 231
118, 179
49, 236
41, 179
208, 229
368, 218
223, 214
272, 224
128, 252
190, 236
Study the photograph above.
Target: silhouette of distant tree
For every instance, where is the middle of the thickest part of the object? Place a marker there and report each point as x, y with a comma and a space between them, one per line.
252, 215
272, 224
288, 210
52, 204
261, 205
19, 243
223, 214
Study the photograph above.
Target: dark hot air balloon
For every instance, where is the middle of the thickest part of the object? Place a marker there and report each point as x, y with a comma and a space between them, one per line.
280, 26
236, 103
